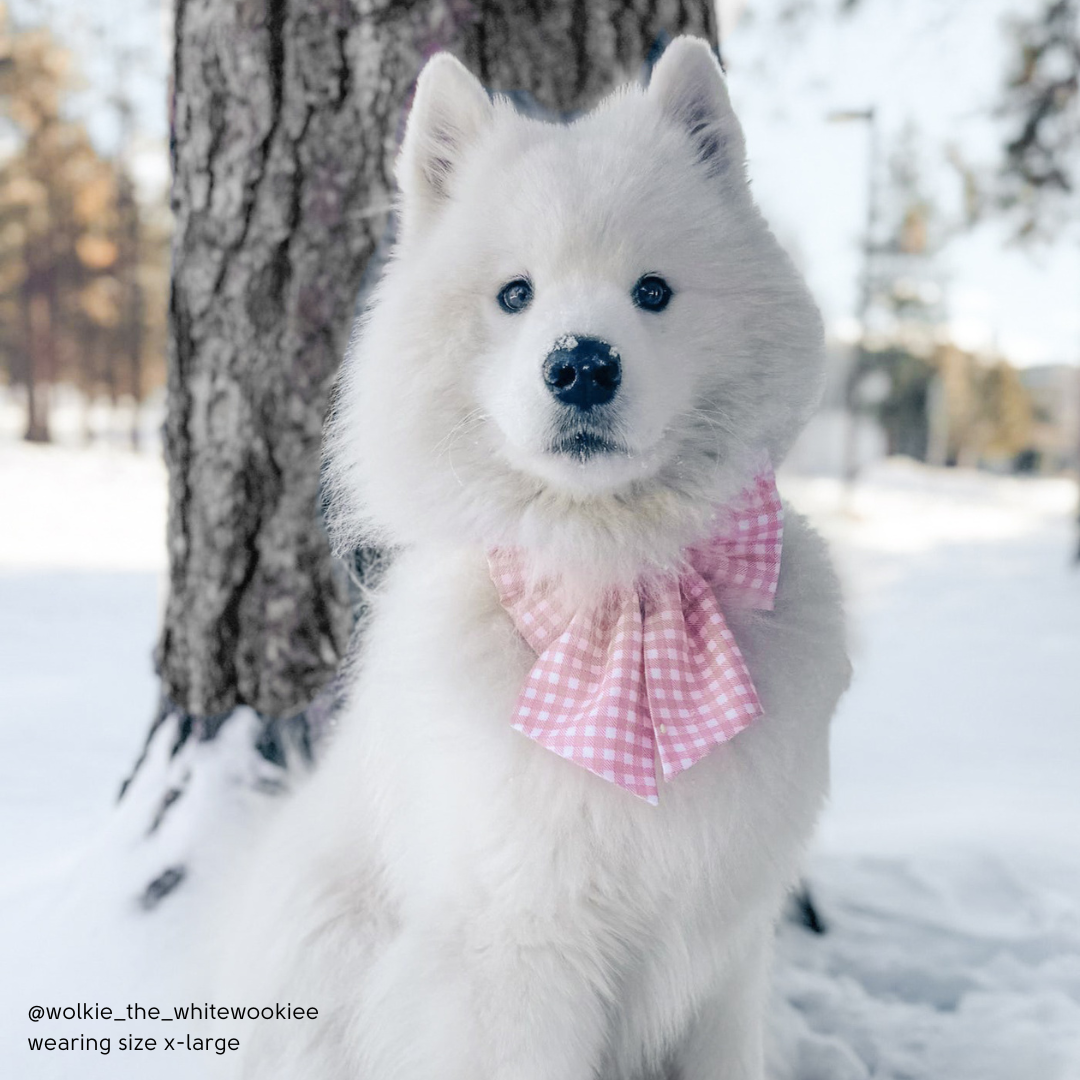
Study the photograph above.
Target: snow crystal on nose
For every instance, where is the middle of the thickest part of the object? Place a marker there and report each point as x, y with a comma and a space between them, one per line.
567, 341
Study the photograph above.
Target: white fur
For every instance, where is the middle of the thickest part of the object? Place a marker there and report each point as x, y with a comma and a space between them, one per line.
459, 902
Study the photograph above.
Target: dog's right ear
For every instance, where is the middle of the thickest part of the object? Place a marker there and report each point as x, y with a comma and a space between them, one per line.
449, 111
689, 85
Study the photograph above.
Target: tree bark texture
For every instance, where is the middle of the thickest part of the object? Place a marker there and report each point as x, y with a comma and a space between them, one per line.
286, 118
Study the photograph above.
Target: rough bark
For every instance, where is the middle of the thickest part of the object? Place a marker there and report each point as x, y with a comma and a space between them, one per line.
286, 116
283, 112
568, 53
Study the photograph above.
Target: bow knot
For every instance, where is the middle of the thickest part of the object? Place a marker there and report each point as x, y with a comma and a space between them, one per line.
652, 669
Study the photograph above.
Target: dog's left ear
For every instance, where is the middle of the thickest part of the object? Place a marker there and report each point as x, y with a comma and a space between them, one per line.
450, 109
688, 84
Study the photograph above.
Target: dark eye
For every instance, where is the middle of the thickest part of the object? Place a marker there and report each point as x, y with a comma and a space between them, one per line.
515, 295
651, 293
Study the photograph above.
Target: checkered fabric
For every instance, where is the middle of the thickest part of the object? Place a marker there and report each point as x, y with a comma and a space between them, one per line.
649, 670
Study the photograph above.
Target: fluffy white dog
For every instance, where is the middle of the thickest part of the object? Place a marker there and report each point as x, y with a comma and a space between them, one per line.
585, 343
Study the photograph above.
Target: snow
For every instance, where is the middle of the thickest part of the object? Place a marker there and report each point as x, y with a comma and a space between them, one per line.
963, 719
947, 870
73, 510
947, 867
82, 550
959, 966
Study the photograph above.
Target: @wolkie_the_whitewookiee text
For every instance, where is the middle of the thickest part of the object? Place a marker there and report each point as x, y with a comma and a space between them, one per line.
59, 1037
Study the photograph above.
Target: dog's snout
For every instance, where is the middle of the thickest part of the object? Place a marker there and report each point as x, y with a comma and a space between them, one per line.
583, 372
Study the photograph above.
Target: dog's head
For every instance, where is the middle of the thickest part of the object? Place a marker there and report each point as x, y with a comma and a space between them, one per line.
586, 335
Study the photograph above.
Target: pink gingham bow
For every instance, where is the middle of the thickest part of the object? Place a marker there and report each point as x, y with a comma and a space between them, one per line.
653, 668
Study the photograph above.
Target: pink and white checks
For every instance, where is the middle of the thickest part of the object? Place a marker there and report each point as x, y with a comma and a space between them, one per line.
653, 668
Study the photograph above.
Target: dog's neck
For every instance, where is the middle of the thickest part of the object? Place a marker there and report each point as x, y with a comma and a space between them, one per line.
587, 547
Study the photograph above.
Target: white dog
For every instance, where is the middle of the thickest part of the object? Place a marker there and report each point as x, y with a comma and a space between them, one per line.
584, 348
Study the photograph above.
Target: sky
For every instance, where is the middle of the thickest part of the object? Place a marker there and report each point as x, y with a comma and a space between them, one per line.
935, 65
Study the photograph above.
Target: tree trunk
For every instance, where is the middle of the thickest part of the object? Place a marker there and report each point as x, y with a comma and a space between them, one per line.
286, 116
567, 54
40, 344
129, 265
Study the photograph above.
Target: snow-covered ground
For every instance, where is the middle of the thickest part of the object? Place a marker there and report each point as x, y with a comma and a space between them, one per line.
82, 554
948, 864
948, 868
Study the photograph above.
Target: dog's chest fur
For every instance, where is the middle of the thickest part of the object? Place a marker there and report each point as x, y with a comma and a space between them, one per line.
431, 810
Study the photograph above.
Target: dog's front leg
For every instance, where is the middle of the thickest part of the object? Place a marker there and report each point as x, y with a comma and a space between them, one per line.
449, 1008
726, 1038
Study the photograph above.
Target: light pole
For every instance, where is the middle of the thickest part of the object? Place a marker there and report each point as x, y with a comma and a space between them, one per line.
866, 116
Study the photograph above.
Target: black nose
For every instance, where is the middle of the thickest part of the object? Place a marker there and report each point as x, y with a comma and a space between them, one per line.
584, 373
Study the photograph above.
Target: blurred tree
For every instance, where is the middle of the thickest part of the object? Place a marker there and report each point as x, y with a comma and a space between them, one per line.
947, 406
1041, 166
1040, 171
73, 253
902, 306
1006, 408
901, 405
980, 413
907, 293
38, 216
286, 116
934, 402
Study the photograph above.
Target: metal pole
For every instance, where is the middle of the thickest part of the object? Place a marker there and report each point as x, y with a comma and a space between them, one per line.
866, 289
1076, 553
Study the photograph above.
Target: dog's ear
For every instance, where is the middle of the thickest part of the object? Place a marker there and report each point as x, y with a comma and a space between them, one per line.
689, 86
449, 111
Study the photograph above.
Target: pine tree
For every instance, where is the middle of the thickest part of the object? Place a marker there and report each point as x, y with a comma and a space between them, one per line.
1041, 168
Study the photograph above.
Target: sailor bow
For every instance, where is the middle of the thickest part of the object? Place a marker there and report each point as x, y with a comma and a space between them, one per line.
652, 669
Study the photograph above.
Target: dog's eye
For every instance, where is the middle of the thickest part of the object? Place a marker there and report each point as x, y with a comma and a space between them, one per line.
651, 293
515, 295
